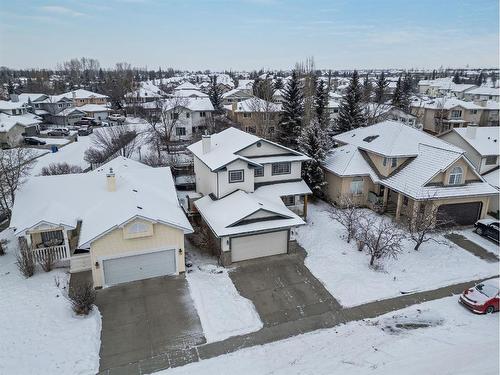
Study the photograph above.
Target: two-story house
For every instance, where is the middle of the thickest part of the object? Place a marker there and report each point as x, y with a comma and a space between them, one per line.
16, 121
81, 97
146, 92
402, 170
256, 116
235, 96
483, 93
481, 146
252, 193
442, 114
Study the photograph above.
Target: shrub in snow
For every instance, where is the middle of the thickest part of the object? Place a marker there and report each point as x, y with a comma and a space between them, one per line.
348, 216
82, 298
60, 168
25, 259
380, 237
48, 262
3, 247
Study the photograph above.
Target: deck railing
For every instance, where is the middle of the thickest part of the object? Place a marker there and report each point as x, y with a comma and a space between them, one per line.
58, 253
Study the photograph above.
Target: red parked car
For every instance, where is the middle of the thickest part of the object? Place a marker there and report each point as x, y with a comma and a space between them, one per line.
482, 298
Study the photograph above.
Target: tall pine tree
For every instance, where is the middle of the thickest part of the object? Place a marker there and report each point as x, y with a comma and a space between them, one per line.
396, 95
350, 111
215, 96
313, 141
456, 78
290, 125
321, 105
367, 89
381, 89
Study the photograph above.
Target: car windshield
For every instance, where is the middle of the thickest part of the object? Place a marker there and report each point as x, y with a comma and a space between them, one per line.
487, 290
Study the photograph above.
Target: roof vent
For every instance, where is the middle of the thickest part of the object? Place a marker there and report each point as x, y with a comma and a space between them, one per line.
370, 138
139, 207
134, 190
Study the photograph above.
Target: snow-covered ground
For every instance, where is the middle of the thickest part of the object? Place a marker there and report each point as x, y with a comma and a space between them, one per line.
450, 340
484, 242
53, 141
345, 272
38, 331
222, 310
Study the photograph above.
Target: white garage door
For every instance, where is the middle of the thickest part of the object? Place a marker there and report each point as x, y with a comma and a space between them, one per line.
259, 245
138, 267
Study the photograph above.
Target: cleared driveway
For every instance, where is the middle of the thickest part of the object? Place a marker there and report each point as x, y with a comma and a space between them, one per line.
282, 288
147, 318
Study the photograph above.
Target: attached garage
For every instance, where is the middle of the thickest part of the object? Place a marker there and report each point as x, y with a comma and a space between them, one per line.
128, 268
460, 213
259, 245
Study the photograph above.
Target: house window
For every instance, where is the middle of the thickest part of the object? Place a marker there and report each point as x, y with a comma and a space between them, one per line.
394, 162
188, 115
473, 111
247, 114
203, 114
288, 200
456, 113
180, 131
137, 228
174, 116
55, 236
236, 176
405, 201
491, 160
455, 176
357, 186
281, 168
258, 172
250, 129
385, 162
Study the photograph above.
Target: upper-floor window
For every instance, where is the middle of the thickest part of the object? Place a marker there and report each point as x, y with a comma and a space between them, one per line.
473, 111
357, 186
456, 176
456, 113
203, 114
137, 228
247, 114
174, 116
180, 131
491, 160
258, 172
236, 176
394, 162
188, 115
281, 168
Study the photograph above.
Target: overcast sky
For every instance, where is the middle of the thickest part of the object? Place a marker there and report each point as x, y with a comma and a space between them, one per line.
251, 34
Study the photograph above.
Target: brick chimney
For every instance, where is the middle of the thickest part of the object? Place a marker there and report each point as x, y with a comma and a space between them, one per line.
110, 180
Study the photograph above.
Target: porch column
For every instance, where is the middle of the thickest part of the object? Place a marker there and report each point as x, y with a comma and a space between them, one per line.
28, 239
305, 206
398, 207
66, 243
386, 197
414, 212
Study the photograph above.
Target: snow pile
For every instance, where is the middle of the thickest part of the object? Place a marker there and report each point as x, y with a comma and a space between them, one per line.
463, 343
222, 310
39, 332
345, 273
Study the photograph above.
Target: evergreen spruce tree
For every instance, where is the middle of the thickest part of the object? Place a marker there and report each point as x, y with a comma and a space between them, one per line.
290, 125
321, 105
278, 84
381, 89
350, 111
215, 96
396, 96
433, 74
456, 78
406, 91
367, 89
313, 141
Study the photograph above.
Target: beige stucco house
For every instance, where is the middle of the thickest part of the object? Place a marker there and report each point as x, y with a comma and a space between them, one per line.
398, 169
252, 194
122, 221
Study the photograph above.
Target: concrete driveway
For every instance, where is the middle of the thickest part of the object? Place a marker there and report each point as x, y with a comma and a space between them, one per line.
146, 319
282, 288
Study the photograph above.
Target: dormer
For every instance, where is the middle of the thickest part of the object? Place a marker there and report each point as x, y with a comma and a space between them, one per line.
385, 165
457, 174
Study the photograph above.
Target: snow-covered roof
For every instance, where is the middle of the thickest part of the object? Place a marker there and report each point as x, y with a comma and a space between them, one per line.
257, 105
141, 192
33, 97
70, 110
485, 90
186, 86
225, 145
446, 104
146, 90
273, 191
94, 108
7, 122
245, 83
80, 94
347, 161
492, 105
485, 140
493, 177
392, 139
193, 104
185, 93
234, 92
224, 215
8, 105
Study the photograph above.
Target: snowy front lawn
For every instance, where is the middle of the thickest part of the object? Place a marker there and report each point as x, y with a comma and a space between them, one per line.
345, 272
38, 331
222, 310
438, 337
484, 242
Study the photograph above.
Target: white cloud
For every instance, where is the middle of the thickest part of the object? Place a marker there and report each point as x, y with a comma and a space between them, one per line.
63, 11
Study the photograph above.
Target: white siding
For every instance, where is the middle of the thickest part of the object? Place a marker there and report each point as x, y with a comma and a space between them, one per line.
206, 180
295, 173
265, 149
247, 185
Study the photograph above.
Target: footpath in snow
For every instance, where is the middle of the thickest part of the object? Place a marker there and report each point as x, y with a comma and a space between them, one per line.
345, 272
39, 332
438, 337
222, 310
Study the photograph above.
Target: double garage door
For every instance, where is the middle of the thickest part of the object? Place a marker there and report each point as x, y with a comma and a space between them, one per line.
460, 213
259, 245
139, 266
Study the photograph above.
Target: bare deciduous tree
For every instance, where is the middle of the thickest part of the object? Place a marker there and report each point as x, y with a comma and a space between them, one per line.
110, 142
15, 167
380, 237
60, 168
347, 215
